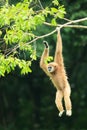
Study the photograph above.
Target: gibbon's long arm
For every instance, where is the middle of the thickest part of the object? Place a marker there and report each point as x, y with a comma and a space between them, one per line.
58, 53
44, 56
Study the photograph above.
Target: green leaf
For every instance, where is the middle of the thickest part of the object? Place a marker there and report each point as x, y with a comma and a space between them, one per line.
25, 47
25, 70
49, 59
33, 55
61, 12
53, 22
39, 19
2, 70
55, 2
0, 32
54, 10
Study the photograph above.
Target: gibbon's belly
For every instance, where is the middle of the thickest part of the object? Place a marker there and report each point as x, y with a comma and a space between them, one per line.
58, 82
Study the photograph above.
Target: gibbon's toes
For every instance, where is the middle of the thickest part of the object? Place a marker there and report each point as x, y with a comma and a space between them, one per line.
45, 43
68, 112
60, 113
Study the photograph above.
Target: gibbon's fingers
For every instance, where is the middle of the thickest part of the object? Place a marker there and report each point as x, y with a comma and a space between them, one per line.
57, 29
46, 44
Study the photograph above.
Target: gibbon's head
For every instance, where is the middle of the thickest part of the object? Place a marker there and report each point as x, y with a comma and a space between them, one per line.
52, 67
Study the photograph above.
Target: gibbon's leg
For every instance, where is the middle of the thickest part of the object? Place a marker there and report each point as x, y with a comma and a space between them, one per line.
45, 54
68, 105
58, 101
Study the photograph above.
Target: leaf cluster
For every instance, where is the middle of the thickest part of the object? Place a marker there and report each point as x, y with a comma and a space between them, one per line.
17, 26
9, 64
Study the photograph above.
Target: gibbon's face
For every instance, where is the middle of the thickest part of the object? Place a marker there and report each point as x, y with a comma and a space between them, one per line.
52, 67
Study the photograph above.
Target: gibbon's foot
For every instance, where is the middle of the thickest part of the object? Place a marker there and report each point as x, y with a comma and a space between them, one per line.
45, 43
60, 113
68, 112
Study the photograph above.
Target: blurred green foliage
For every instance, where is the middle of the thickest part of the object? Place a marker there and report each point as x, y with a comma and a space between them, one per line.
28, 102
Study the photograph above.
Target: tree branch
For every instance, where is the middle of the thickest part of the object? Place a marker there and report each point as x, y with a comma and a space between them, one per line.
35, 39
70, 26
76, 26
73, 21
68, 23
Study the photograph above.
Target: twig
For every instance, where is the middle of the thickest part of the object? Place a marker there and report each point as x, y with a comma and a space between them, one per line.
70, 22
76, 26
40, 4
14, 49
74, 21
67, 19
35, 39
70, 26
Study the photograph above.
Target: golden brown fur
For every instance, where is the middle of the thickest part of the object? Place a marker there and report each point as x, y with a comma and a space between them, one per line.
56, 71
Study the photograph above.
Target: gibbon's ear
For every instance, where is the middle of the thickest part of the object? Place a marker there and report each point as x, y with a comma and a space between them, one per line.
46, 44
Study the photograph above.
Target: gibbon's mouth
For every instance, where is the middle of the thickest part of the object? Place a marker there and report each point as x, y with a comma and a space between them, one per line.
50, 69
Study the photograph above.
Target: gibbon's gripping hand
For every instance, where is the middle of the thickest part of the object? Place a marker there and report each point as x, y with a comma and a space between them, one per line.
57, 29
46, 44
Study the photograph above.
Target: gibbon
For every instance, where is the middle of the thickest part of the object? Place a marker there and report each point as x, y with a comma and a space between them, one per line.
56, 71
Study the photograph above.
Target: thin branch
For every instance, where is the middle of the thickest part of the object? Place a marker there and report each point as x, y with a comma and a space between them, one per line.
13, 50
35, 39
76, 26
70, 26
40, 4
74, 21
67, 19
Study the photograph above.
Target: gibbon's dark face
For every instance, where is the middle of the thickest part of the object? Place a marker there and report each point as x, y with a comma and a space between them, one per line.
52, 67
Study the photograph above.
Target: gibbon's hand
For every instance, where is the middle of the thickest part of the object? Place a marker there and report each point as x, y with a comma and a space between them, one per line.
57, 29
46, 44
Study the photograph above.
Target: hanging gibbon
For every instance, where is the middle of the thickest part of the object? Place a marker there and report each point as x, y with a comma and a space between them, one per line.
56, 71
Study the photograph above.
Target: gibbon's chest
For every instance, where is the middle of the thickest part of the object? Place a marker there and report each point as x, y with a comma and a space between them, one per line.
58, 80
